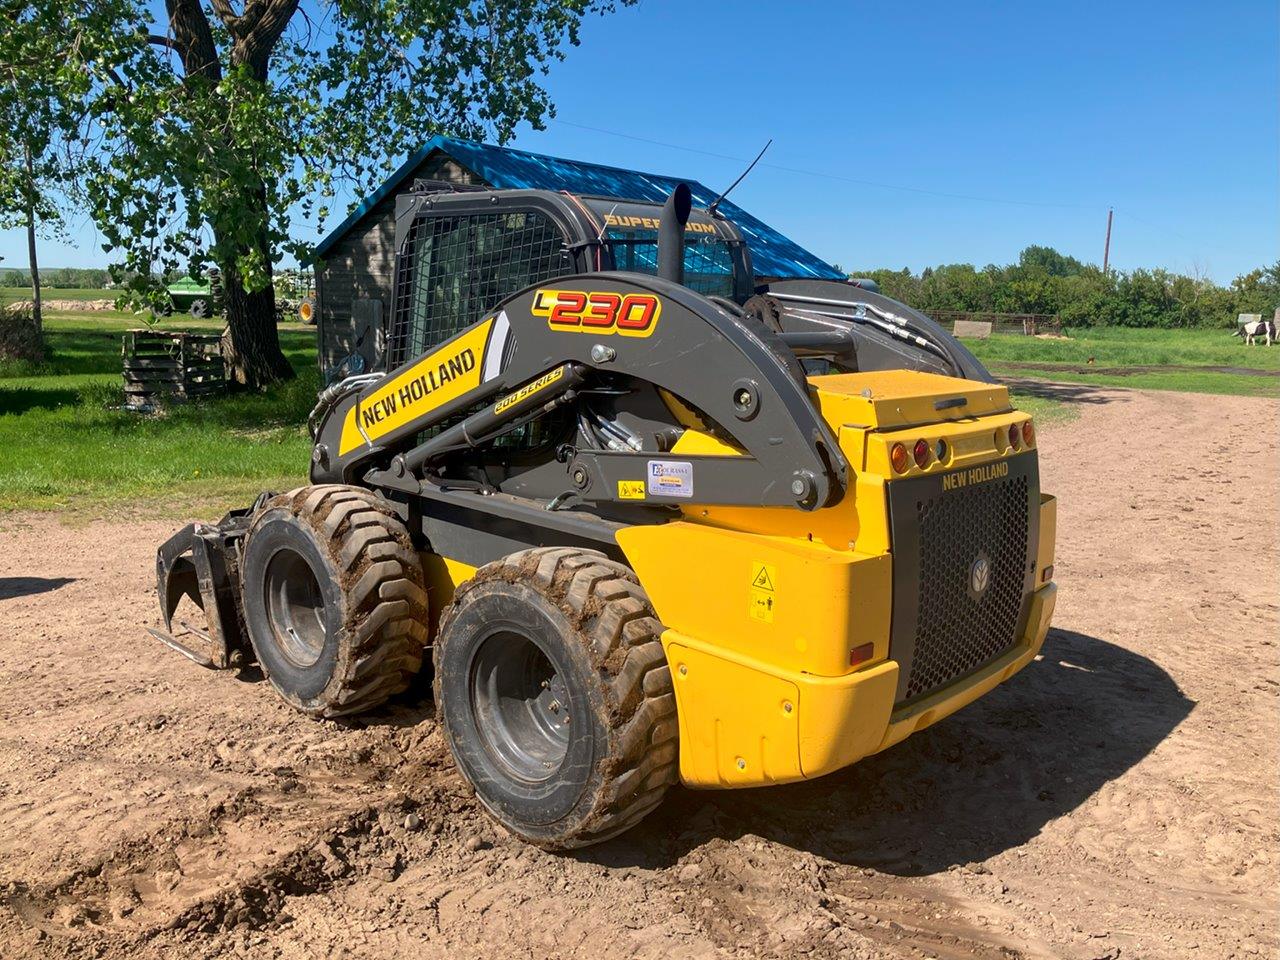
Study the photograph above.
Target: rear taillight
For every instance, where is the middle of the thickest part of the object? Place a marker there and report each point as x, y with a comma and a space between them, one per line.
861, 654
1028, 433
1014, 438
921, 453
898, 458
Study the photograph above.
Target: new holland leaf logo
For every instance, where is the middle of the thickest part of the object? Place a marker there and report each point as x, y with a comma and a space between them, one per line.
980, 575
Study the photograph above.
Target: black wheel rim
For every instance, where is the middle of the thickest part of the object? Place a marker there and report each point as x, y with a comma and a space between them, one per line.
295, 607
521, 706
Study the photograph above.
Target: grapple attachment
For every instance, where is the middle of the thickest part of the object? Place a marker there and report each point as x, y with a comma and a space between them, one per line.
202, 562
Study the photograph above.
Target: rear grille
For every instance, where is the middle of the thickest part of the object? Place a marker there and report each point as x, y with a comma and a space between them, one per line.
943, 627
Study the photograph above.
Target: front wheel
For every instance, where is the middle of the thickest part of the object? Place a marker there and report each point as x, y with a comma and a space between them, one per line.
334, 599
555, 696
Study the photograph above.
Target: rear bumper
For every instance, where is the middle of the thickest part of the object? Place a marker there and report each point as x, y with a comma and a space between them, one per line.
744, 723
945, 702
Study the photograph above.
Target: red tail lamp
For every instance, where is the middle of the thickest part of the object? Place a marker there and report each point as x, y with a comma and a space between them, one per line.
898, 458
1028, 433
861, 654
1014, 437
921, 453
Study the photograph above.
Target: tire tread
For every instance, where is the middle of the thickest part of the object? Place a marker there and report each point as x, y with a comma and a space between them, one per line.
615, 621
385, 590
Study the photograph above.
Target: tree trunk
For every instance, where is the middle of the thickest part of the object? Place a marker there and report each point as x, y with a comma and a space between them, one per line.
36, 314
252, 342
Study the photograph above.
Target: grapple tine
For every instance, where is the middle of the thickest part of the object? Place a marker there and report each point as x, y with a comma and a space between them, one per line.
173, 643
201, 562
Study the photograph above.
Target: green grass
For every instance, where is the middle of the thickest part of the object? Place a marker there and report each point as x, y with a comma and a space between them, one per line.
1113, 347
1045, 409
11, 294
66, 442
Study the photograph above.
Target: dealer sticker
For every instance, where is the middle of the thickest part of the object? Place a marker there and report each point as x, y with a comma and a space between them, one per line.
670, 478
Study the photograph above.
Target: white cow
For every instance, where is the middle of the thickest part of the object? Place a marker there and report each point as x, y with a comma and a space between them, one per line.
1251, 326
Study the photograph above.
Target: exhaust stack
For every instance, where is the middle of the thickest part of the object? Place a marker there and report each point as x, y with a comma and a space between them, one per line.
675, 214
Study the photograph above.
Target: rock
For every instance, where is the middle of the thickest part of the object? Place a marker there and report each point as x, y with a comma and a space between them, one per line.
689, 873
412, 822
474, 845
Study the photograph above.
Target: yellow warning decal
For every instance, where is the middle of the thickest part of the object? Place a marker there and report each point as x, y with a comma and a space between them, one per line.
630, 489
529, 389
438, 378
763, 600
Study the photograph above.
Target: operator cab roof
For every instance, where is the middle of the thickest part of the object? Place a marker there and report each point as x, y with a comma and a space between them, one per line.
772, 254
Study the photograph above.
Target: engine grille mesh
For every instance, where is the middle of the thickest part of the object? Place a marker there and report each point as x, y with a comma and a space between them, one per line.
959, 631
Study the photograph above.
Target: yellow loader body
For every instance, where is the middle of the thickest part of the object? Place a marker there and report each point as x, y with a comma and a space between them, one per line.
779, 621
767, 609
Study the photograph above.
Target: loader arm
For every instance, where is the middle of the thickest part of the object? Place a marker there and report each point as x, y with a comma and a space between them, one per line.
551, 339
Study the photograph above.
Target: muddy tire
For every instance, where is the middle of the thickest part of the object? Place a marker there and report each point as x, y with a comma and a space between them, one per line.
555, 696
334, 599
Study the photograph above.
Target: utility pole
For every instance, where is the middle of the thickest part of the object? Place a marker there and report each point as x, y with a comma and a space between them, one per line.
1106, 250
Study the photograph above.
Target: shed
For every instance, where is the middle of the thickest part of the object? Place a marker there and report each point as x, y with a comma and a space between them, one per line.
355, 262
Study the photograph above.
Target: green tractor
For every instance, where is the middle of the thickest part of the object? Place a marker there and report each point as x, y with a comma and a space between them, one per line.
199, 298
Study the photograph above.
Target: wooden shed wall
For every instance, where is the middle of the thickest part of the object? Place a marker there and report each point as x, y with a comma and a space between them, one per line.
361, 266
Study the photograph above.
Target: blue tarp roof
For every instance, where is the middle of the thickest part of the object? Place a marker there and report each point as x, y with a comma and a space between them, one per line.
772, 254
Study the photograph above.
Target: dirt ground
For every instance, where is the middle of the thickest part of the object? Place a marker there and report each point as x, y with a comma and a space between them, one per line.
1118, 798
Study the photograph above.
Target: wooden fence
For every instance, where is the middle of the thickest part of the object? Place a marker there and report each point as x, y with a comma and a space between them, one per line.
164, 367
1029, 324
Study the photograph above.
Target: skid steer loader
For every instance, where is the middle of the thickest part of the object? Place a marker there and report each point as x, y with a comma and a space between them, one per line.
656, 519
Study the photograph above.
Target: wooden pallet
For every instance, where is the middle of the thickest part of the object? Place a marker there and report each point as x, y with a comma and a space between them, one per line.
162, 367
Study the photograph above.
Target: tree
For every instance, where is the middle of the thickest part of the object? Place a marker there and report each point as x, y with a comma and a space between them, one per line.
38, 153
1046, 260
1258, 291
217, 127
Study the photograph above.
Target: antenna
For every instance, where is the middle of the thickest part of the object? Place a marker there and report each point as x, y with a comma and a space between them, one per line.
742, 176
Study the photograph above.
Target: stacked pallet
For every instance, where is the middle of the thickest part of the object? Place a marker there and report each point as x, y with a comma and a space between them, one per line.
162, 367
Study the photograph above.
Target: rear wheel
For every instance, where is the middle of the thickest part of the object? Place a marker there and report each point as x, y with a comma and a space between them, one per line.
200, 308
334, 599
555, 696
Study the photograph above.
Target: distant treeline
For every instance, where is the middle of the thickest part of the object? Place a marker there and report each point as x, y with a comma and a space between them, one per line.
1045, 281
66, 278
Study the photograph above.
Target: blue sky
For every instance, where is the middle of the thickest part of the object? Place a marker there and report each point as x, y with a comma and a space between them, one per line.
925, 133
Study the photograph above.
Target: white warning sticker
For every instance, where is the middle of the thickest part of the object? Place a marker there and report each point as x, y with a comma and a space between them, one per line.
670, 478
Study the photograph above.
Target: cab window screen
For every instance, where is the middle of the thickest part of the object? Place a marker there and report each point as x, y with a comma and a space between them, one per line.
708, 265
454, 269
